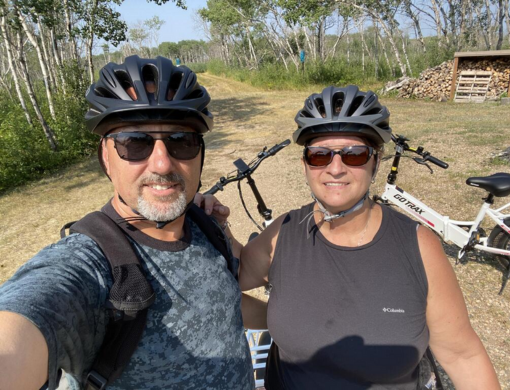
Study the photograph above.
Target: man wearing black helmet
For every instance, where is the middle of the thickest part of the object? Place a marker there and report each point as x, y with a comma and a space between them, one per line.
53, 316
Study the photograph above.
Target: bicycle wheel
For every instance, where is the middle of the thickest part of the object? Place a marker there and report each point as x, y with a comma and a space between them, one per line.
501, 240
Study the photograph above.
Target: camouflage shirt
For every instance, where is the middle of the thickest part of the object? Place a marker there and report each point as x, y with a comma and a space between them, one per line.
194, 338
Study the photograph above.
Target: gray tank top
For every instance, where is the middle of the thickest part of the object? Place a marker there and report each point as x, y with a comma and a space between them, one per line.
347, 318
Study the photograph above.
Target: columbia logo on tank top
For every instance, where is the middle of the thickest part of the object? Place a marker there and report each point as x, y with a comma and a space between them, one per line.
391, 310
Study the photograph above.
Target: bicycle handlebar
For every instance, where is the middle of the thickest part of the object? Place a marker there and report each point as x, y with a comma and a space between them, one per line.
244, 170
400, 141
436, 161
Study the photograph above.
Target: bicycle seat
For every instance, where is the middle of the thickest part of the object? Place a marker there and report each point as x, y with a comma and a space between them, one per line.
497, 184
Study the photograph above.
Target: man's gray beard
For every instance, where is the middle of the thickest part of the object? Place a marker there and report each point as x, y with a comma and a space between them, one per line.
167, 211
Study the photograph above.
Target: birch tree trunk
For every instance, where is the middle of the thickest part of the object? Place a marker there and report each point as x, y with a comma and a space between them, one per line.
50, 136
388, 62
285, 39
340, 34
501, 16
5, 69
321, 34
277, 47
70, 37
441, 31
348, 49
57, 60
51, 72
416, 22
363, 44
311, 45
35, 43
90, 40
506, 5
10, 58
253, 55
392, 43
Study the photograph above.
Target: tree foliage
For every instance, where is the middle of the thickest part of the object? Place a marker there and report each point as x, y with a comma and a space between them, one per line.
46, 53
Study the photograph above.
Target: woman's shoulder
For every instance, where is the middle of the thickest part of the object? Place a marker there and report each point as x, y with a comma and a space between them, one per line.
300, 213
395, 215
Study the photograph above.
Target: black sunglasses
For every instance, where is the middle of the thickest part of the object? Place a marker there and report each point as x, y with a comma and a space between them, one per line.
353, 156
139, 146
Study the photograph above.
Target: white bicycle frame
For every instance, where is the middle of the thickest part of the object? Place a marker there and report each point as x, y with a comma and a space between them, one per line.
449, 229
257, 352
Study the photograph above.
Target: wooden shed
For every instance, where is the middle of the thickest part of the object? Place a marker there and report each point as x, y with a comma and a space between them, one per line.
473, 85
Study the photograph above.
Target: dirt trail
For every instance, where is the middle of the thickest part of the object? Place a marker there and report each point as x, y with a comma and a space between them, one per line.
246, 120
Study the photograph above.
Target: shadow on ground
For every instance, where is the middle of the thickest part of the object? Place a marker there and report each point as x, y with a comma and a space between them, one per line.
235, 112
89, 169
238, 109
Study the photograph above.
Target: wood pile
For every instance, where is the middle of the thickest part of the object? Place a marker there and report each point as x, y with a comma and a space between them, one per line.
435, 83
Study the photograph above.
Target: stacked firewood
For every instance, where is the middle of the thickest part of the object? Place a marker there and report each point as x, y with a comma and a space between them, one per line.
435, 83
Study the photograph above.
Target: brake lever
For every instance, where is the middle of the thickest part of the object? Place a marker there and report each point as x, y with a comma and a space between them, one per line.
422, 161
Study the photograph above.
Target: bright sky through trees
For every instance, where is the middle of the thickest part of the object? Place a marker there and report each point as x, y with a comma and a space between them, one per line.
179, 24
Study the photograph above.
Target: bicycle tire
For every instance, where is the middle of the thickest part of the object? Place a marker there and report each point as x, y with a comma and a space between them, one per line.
501, 240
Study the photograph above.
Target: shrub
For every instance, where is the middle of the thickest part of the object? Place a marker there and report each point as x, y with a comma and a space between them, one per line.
26, 154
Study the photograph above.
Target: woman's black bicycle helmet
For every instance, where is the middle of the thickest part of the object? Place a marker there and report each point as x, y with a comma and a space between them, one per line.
148, 91
343, 110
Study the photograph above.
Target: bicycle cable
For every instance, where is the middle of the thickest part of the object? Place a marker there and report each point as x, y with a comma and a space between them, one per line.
245, 208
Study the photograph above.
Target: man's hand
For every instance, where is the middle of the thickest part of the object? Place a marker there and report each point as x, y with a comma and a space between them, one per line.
212, 207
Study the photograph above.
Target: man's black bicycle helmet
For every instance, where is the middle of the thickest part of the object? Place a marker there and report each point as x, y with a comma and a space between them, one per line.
147, 91
343, 110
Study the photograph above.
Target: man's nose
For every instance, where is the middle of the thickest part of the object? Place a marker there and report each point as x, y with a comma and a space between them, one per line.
160, 161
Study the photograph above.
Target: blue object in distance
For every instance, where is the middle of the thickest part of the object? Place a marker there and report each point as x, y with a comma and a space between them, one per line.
177, 61
302, 56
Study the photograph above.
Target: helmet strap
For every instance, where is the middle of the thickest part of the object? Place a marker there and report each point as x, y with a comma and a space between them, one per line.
328, 217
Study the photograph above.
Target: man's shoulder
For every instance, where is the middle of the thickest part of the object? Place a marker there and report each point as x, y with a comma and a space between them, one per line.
75, 253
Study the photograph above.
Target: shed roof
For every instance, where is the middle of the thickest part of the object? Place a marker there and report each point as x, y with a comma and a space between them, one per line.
492, 53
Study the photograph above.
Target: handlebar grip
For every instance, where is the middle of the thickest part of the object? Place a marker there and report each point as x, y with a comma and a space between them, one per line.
275, 149
214, 189
437, 162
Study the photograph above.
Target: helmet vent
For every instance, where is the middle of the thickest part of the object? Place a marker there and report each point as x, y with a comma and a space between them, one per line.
150, 80
319, 103
305, 114
370, 100
125, 82
196, 94
373, 111
103, 92
355, 105
192, 78
173, 85
338, 102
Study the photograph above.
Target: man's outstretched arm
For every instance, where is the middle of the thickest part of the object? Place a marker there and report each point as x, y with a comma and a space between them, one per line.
23, 353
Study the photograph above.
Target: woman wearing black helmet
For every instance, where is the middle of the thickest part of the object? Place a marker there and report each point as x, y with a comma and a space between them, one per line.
358, 291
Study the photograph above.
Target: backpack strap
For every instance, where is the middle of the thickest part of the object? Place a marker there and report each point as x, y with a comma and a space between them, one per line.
214, 234
129, 298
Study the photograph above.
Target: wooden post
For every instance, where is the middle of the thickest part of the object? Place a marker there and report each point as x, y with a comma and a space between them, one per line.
454, 77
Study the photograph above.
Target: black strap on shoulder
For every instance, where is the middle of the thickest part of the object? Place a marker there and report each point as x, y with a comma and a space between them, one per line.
130, 296
214, 233
430, 356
